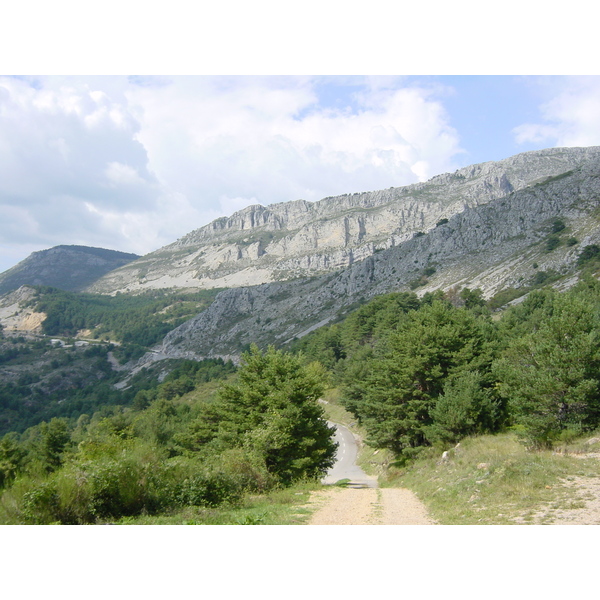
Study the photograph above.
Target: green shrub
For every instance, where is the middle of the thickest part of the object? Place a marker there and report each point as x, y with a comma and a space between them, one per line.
590, 252
552, 242
557, 226
90, 490
209, 489
40, 504
544, 277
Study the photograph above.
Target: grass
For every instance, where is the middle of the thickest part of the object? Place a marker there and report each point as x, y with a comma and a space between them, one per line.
279, 507
492, 480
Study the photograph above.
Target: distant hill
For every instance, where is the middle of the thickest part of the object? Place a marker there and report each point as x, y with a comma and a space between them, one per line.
66, 267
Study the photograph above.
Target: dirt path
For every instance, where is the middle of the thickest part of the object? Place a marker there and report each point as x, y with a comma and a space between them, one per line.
579, 505
368, 506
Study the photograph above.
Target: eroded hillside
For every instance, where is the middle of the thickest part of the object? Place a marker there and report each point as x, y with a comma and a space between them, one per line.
509, 243
299, 239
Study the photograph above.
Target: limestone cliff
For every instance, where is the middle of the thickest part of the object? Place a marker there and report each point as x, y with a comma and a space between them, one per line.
297, 239
492, 245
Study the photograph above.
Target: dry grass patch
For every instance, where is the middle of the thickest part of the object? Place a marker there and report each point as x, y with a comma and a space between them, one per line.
496, 480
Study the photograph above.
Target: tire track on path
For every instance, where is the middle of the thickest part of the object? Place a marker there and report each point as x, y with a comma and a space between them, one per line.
368, 506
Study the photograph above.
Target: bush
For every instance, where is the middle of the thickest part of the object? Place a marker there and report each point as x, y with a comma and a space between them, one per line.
186, 481
552, 243
590, 252
557, 226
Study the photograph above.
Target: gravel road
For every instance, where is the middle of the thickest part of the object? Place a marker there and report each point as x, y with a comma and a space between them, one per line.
362, 502
368, 506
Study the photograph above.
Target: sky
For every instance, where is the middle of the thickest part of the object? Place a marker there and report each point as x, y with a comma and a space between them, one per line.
132, 163
108, 153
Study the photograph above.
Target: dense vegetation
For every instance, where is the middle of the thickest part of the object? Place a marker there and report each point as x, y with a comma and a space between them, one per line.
432, 371
142, 319
40, 380
261, 430
414, 372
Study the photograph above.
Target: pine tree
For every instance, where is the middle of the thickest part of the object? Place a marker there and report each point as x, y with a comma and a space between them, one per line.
409, 370
272, 409
551, 376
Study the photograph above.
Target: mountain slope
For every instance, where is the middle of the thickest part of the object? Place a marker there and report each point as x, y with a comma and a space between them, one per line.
66, 267
298, 239
504, 243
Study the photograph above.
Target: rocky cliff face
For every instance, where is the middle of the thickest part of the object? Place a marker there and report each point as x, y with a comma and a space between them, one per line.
502, 242
299, 239
65, 267
16, 312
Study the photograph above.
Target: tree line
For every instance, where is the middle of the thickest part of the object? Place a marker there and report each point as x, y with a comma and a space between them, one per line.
418, 372
141, 319
262, 428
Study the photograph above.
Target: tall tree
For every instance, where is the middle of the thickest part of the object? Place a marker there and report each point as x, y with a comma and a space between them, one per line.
551, 376
409, 370
273, 410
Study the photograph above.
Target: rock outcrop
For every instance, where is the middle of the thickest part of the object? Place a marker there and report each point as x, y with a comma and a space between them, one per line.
298, 239
493, 245
17, 313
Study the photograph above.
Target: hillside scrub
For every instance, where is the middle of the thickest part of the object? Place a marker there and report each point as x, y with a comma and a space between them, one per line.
40, 380
267, 431
494, 480
442, 368
418, 375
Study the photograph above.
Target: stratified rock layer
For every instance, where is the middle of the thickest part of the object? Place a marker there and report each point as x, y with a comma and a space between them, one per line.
499, 244
299, 239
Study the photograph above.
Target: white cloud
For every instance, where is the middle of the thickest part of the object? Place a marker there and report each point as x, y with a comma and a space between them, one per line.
230, 205
132, 164
271, 139
119, 174
571, 117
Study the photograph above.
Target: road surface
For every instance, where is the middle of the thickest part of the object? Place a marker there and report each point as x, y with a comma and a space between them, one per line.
362, 502
345, 466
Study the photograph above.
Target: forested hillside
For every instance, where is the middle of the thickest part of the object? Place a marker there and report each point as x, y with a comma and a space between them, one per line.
141, 320
432, 371
59, 375
173, 447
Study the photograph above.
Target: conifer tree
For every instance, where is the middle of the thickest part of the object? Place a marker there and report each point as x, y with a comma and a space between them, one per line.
273, 410
409, 371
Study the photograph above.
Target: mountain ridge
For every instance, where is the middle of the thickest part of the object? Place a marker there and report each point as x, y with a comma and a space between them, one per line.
489, 226
70, 268
294, 239
491, 247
